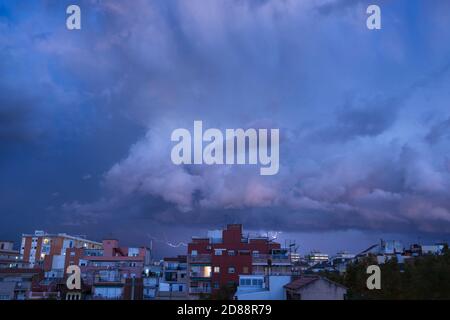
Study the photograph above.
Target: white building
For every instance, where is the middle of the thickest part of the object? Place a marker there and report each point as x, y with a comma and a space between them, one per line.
316, 257
259, 287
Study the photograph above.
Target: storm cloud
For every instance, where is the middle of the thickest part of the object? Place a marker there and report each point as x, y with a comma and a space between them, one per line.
363, 115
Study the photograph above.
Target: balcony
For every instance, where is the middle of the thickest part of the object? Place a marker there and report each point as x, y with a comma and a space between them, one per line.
199, 290
263, 259
200, 258
99, 280
205, 275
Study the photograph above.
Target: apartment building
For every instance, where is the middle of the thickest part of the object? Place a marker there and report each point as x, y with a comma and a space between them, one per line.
218, 259
174, 282
114, 272
48, 251
10, 258
18, 284
259, 287
316, 257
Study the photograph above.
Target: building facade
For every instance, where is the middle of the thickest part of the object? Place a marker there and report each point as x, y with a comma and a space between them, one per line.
217, 260
48, 251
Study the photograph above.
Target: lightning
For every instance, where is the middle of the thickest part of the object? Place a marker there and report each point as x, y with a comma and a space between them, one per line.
167, 242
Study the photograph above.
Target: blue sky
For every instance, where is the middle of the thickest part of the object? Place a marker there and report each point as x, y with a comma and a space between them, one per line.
364, 118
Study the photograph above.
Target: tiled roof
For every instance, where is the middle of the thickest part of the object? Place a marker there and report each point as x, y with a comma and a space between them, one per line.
306, 280
301, 282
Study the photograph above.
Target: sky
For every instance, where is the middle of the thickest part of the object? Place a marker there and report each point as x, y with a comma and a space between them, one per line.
364, 117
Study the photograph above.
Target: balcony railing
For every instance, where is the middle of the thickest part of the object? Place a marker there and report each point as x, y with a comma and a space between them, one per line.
108, 279
199, 275
101, 297
200, 290
275, 259
200, 258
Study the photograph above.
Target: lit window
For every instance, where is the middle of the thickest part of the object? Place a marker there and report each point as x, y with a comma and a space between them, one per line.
245, 270
218, 252
216, 269
231, 270
231, 253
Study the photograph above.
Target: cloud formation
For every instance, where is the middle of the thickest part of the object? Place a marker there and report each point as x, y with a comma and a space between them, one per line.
363, 116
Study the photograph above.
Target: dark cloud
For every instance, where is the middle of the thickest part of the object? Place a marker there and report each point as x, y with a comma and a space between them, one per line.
439, 132
362, 117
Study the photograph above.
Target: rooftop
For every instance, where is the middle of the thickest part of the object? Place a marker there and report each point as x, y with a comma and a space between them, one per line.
307, 280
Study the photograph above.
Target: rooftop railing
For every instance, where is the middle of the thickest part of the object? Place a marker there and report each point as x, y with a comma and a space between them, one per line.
274, 259
200, 258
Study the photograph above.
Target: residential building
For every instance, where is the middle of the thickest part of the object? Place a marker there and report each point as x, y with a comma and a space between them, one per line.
316, 257
321, 267
174, 283
295, 257
10, 258
151, 278
218, 260
18, 284
391, 247
48, 251
435, 249
114, 272
341, 260
260, 287
314, 288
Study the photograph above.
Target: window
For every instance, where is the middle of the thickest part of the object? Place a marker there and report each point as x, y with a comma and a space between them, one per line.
257, 282
231, 270
194, 252
231, 252
218, 252
216, 285
216, 269
245, 270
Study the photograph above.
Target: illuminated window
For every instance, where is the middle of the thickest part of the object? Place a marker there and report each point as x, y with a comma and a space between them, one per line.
245, 270
207, 272
216, 269
231, 270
